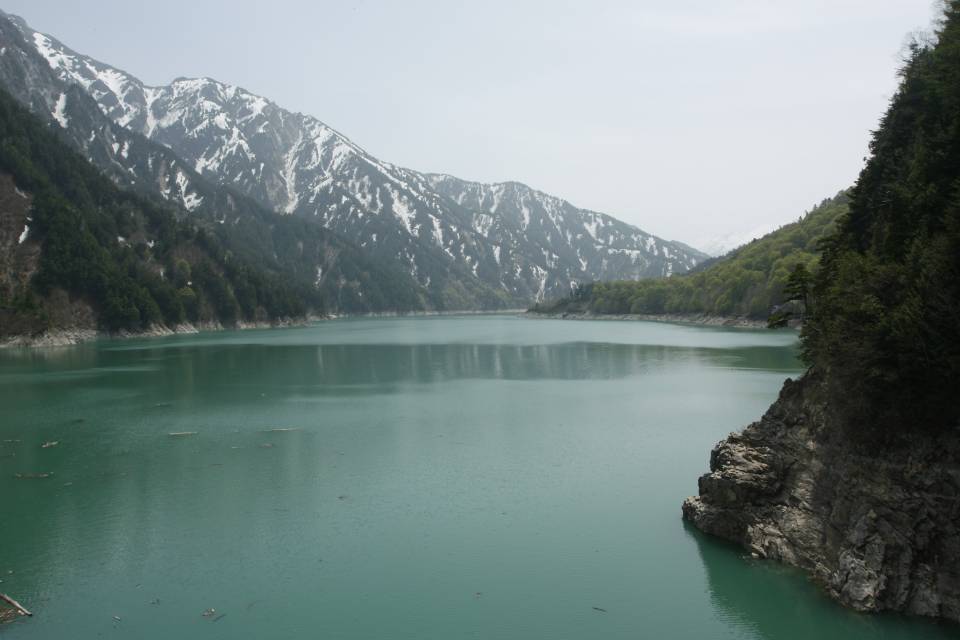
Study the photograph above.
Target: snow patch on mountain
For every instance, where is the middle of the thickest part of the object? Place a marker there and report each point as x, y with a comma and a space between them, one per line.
190, 200
721, 245
504, 236
60, 111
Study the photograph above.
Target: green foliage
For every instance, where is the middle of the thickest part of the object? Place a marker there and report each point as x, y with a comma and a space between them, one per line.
886, 329
797, 287
749, 281
111, 247
796, 294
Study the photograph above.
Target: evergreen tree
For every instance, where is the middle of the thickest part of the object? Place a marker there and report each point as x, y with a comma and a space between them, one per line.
885, 331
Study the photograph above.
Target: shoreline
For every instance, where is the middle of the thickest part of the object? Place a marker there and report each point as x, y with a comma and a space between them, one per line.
698, 319
422, 314
79, 335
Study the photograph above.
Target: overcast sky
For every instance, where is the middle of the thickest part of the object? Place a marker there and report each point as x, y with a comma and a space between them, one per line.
692, 120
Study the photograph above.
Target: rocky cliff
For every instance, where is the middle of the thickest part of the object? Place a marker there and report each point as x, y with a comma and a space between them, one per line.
877, 525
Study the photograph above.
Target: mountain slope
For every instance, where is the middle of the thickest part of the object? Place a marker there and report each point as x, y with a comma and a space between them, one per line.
445, 232
88, 255
336, 275
747, 282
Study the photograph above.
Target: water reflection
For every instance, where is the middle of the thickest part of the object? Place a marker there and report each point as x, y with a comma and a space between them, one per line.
381, 364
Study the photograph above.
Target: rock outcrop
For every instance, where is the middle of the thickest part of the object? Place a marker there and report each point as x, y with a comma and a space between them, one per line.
877, 526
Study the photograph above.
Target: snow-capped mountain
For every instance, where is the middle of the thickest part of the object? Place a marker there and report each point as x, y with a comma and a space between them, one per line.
720, 245
451, 235
331, 273
529, 222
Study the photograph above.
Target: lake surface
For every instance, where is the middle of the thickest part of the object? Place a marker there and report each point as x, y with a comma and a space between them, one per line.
448, 477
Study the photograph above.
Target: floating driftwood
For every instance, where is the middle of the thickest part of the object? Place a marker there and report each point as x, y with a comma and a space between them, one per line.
181, 434
281, 429
32, 476
16, 605
47, 445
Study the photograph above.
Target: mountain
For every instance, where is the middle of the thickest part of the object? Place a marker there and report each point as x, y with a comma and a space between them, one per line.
334, 274
747, 282
465, 244
721, 245
79, 253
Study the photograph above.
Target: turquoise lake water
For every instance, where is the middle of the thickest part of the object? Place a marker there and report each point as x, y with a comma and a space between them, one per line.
446, 477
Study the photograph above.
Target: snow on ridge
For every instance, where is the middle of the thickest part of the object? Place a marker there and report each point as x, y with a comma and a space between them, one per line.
117, 83
181, 86
24, 234
150, 95
58, 60
256, 104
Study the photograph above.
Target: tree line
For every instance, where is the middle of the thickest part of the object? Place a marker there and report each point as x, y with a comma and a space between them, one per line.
117, 250
747, 282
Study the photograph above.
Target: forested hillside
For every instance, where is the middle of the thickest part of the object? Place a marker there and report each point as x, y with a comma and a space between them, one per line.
127, 258
747, 282
884, 326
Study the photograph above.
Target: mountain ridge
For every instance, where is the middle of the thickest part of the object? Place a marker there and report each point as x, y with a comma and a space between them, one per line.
296, 164
340, 277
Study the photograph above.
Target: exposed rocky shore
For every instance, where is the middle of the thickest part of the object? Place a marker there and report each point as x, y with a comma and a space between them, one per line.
877, 526
681, 318
426, 313
79, 334
76, 335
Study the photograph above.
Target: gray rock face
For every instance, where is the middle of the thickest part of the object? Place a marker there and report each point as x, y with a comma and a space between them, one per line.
878, 528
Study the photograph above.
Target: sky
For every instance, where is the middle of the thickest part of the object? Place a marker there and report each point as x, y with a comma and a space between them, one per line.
700, 121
